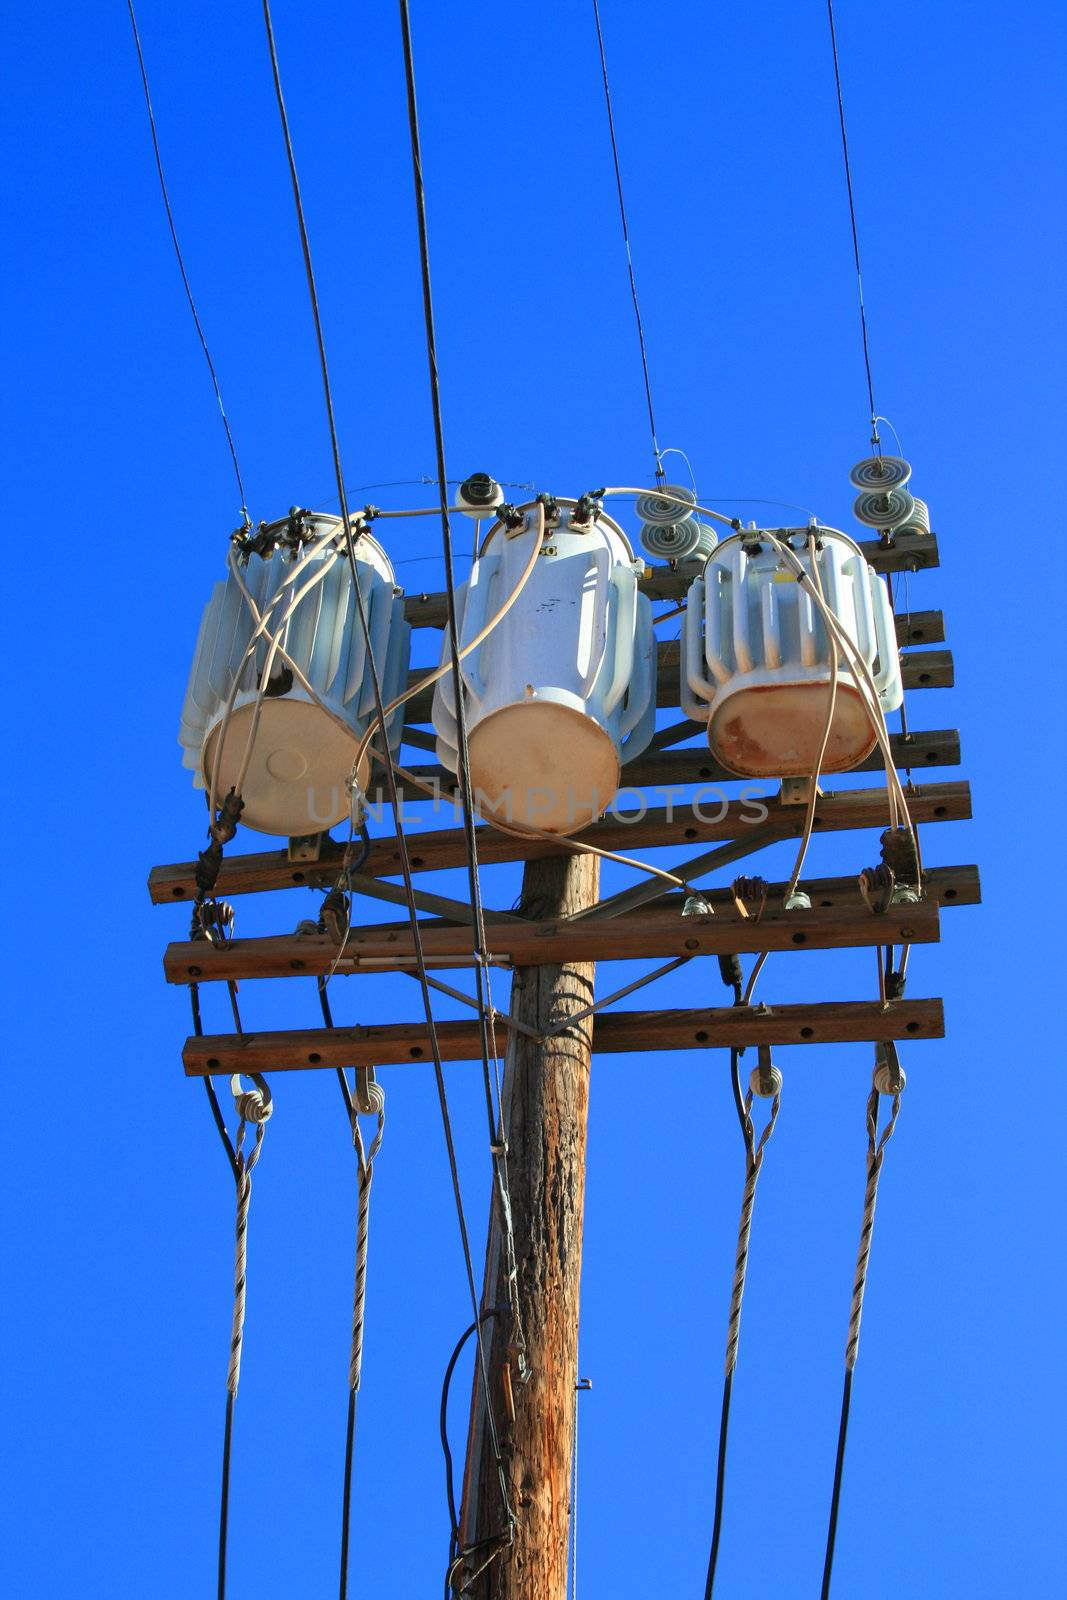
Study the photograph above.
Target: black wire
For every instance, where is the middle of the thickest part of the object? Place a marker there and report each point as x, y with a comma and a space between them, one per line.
852, 219
660, 474
735, 1074
212, 1097
346, 1498
227, 1437
390, 774
835, 1498
224, 1501
720, 1484
449, 1484
181, 264
324, 1002
464, 759
728, 1382
735, 1084
466, 787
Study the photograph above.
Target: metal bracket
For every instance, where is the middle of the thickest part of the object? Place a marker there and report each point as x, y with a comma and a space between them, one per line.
796, 791
363, 1099
305, 847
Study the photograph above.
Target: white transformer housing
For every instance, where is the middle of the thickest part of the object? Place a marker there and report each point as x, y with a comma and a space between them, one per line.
756, 664
561, 692
305, 742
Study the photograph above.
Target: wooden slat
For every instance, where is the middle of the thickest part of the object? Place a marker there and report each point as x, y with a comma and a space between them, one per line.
445, 847
654, 934
671, 769
946, 886
920, 627
831, 1022
920, 669
906, 552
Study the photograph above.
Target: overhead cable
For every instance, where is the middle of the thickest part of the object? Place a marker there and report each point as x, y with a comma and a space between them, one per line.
875, 441
487, 1030
656, 452
405, 861
365, 1167
889, 1080
766, 1081
181, 267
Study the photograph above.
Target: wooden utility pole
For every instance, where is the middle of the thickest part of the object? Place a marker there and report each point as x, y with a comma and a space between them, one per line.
532, 1372
546, 1110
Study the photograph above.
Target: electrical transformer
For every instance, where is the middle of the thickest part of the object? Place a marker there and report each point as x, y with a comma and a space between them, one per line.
280, 693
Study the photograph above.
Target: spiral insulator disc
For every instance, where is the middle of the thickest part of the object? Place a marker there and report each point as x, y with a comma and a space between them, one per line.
655, 507
919, 519
881, 472
678, 541
883, 509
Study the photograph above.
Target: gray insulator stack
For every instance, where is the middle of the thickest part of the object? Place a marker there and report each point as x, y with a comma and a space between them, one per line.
669, 532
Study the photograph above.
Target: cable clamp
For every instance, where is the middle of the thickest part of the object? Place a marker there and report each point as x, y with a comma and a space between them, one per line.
335, 916
369, 1097
255, 1104
765, 1079
889, 1075
876, 885
750, 892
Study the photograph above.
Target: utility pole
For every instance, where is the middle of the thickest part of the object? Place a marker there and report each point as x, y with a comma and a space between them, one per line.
546, 1084
546, 1107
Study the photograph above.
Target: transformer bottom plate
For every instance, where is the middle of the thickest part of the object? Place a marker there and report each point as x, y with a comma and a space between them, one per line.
775, 730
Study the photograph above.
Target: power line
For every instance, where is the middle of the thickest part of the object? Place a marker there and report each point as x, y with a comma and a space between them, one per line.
767, 1082
835, 1497
181, 266
889, 1080
487, 1032
380, 716
855, 231
660, 474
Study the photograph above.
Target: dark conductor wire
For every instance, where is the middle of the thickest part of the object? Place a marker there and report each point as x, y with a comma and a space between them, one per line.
729, 971
835, 1498
231, 1156
660, 474
889, 1080
350, 1421
446, 1449
466, 789
852, 219
181, 265
390, 774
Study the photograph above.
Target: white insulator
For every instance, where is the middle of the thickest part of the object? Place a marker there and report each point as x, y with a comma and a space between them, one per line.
765, 1081
665, 505
678, 541
561, 692
918, 521
478, 496
756, 658
883, 508
880, 473
890, 1079
305, 743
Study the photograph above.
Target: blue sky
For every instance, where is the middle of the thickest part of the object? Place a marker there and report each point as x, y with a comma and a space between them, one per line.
117, 1203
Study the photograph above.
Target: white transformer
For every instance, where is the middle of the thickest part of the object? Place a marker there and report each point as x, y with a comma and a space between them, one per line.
290, 726
756, 662
561, 691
